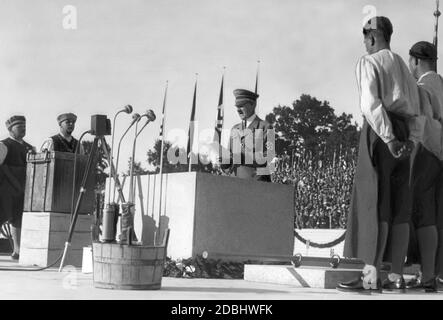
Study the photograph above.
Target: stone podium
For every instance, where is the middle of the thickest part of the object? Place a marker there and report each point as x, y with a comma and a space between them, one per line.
227, 218
43, 238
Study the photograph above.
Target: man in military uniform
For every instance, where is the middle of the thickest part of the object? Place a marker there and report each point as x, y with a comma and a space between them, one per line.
249, 147
13, 152
64, 141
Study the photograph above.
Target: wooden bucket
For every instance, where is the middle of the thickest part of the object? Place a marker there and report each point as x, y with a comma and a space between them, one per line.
129, 267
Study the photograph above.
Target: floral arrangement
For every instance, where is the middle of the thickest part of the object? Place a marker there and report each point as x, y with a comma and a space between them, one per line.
200, 267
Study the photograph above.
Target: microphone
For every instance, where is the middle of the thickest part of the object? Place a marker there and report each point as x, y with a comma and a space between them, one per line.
135, 118
150, 115
128, 108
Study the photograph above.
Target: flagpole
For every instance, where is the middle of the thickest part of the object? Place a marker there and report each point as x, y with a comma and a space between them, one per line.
191, 125
220, 117
162, 133
437, 14
256, 83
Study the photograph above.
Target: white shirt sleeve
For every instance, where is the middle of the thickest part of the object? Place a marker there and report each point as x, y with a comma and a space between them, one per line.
81, 149
3, 152
371, 104
47, 145
417, 124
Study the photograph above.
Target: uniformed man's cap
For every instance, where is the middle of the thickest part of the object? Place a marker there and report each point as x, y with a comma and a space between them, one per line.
242, 95
15, 120
381, 24
66, 116
423, 50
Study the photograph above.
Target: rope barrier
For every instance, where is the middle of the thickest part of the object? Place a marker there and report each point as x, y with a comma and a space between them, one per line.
320, 245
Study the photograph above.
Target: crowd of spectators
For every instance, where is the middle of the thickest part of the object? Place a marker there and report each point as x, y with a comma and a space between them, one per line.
323, 188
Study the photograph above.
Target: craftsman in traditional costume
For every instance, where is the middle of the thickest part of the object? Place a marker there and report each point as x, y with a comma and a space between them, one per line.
428, 185
382, 197
63, 141
13, 151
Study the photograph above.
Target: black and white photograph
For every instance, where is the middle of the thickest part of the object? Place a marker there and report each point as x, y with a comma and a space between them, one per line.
219, 157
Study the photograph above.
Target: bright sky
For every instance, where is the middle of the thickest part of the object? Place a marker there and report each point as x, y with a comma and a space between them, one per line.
123, 52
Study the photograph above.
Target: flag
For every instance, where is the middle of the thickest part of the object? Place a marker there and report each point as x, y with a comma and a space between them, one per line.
256, 83
256, 77
163, 113
162, 125
220, 116
191, 126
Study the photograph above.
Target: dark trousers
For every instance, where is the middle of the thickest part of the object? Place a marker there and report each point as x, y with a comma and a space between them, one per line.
426, 173
439, 200
394, 193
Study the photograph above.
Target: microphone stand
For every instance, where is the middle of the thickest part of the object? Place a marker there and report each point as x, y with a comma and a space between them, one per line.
74, 215
136, 116
111, 159
129, 207
89, 166
111, 213
131, 170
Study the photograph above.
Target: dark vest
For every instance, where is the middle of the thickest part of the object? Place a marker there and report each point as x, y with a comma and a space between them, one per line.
16, 158
62, 145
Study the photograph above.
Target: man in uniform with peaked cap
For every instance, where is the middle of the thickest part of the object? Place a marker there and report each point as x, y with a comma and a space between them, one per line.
63, 141
13, 151
249, 147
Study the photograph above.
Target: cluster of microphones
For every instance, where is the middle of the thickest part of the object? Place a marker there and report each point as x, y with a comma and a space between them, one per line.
136, 118
111, 213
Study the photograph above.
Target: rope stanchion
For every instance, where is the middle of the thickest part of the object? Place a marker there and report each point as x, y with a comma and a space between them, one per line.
296, 260
335, 261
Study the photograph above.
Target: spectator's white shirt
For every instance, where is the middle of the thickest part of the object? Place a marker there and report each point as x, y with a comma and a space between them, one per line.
432, 83
399, 93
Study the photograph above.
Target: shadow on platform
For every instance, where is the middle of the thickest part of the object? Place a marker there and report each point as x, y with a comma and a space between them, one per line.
221, 290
